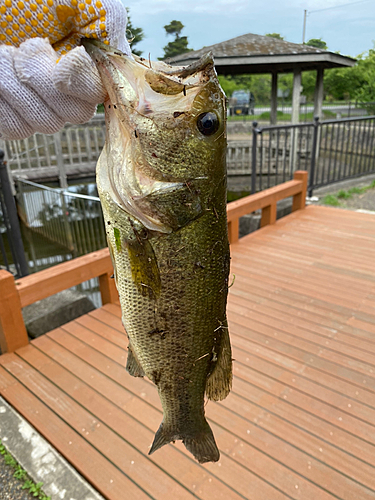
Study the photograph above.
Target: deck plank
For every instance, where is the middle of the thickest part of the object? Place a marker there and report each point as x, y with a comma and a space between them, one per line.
306, 420
300, 420
248, 455
88, 422
102, 473
173, 462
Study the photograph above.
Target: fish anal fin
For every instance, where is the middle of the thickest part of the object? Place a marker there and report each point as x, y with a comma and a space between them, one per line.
133, 366
219, 382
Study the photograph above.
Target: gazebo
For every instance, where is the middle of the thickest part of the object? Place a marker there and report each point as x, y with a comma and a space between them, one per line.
251, 53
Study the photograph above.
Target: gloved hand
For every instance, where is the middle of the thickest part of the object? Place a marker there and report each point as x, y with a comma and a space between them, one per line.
47, 81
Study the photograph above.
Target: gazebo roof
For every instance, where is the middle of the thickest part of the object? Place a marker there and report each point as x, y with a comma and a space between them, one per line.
262, 54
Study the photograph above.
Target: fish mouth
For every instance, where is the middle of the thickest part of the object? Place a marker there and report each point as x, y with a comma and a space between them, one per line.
137, 90
135, 84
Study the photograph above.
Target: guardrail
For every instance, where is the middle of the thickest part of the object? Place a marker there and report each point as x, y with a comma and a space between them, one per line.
74, 152
330, 151
340, 108
74, 149
16, 294
342, 149
73, 221
9, 225
267, 202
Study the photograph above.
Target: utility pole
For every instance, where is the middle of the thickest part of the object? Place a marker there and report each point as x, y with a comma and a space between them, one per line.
304, 26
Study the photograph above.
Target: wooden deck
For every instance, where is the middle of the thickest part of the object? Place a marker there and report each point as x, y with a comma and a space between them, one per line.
300, 420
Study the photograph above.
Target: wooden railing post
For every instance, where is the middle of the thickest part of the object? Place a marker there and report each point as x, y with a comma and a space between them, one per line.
13, 333
108, 289
233, 231
299, 199
269, 215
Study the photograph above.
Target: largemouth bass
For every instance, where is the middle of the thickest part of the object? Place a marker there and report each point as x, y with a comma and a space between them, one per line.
162, 183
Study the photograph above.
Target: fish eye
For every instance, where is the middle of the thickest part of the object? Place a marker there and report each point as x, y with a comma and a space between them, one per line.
208, 123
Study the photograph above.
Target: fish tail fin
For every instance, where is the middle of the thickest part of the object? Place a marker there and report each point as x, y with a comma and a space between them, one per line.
201, 444
161, 438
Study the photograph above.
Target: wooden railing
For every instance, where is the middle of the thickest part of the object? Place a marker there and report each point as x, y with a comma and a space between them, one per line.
267, 201
16, 294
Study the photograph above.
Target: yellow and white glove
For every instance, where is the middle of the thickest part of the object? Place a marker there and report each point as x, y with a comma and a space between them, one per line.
46, 78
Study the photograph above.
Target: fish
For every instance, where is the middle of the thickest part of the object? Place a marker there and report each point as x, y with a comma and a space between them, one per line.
161, 179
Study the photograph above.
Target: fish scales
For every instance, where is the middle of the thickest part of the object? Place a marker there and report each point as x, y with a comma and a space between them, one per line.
162, 184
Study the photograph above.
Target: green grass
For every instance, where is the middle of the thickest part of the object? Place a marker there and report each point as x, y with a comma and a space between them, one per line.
357, 190
345, 195
280, 116
333, 199
283, 117
34, 489
310, 116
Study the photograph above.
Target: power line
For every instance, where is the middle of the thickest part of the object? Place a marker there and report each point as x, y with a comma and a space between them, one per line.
307, 12
337, 6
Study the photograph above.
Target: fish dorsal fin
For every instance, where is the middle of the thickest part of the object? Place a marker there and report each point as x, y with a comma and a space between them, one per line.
219, 382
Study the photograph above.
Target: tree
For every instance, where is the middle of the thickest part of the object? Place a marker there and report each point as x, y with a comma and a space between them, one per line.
275, 35
179, 44
364, 75
174, 28
318, 43
134, 35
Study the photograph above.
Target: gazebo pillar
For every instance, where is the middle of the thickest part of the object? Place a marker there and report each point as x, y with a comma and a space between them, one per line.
295, 118
296, 95
274, 99
318, 95
318, 103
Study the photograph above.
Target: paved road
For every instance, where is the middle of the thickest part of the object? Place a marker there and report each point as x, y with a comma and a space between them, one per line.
340, 108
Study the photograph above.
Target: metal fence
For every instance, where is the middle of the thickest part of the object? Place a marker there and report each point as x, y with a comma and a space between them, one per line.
331, 151
56, 225
345, 109
11, 245
71, 222
74, 150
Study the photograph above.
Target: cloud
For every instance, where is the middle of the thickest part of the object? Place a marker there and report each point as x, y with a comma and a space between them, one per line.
347, 29
159, 6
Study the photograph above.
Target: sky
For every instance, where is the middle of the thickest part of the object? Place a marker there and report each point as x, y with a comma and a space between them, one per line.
347, 27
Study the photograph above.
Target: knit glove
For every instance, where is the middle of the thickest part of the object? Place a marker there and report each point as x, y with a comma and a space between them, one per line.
46, 78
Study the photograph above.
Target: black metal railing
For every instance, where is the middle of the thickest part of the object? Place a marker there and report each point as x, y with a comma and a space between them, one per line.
331, 110
330, 151
10, 233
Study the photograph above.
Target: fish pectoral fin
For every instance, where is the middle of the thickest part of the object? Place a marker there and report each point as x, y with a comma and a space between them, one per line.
133, 366
144, 267
219, 382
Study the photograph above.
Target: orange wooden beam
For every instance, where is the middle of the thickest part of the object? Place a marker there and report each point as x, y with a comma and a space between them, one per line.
13, 333
108, 289
55, 279
299, 199
267, 202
